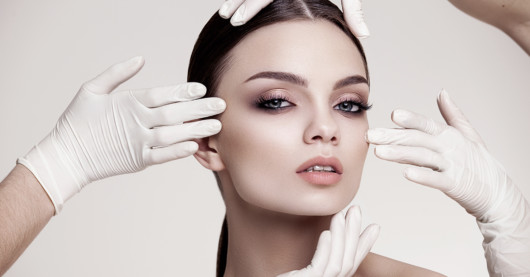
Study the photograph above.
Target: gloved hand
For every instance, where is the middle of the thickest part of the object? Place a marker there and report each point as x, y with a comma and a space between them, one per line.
340, 250
102, 134
242, 11
454, 159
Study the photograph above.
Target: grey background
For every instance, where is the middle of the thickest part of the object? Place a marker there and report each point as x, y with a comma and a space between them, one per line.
165, 220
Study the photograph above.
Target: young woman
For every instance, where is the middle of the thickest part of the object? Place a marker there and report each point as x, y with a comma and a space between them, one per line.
288, 136
292, 148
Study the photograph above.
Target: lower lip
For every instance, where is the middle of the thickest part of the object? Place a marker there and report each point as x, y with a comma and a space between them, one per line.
321, 178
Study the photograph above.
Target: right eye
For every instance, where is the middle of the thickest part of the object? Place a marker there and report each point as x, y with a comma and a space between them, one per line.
276, 103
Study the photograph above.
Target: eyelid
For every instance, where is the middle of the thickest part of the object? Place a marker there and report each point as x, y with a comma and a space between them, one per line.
353, 97
274, 94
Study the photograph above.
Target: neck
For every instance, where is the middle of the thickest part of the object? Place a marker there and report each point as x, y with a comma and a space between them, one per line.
264, 243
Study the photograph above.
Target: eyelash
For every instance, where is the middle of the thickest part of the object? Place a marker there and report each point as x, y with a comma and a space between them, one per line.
360, 105
265, 103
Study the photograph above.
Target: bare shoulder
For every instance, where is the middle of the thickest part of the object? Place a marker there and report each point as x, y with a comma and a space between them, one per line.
375, 265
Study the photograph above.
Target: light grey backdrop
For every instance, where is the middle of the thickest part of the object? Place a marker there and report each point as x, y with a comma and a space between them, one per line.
165, 220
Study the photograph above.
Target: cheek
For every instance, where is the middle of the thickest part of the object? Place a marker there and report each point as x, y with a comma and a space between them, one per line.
261, 153
352, 152
258, 150
353, 143
251, 137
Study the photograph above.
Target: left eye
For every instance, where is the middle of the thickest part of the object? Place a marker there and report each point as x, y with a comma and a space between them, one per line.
348, 106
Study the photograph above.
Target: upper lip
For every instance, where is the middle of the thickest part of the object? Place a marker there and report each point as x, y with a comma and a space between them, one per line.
323, 161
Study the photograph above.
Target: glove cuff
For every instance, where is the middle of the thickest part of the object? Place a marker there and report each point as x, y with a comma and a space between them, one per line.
52, 172
506, 243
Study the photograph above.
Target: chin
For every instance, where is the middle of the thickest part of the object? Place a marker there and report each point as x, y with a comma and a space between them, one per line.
312, 207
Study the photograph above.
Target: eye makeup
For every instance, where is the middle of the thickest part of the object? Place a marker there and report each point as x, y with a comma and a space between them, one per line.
273, 102
351, 104
278, 100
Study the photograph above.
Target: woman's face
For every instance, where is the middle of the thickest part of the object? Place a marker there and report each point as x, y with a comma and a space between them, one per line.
293, 131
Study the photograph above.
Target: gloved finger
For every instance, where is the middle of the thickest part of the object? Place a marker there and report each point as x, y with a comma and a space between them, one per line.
354, 16
429, 178
405, 137
180, 112
321, 257
111, 78
171, 152
248, 10
168, 135
160, 96
418, 156
365, 244
334, 264
229, 7
410, 120
353, 230
454, 117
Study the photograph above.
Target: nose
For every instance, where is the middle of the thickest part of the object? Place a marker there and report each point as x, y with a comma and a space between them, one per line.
322, 128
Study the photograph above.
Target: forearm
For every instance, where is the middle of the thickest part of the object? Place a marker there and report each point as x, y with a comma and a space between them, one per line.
520, 33
24, 211
512, 17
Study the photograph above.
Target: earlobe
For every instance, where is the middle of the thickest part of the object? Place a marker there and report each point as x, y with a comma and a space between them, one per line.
207, 155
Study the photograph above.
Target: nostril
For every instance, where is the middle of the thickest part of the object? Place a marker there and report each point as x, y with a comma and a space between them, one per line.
321, 138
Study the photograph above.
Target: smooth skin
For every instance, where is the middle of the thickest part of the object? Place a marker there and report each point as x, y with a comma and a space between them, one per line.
275, 219
510, 16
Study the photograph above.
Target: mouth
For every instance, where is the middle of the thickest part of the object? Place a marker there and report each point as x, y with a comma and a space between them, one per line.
321, 171
321, 164
320, 168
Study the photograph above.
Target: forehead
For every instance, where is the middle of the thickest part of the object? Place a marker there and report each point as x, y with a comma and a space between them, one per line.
310, 48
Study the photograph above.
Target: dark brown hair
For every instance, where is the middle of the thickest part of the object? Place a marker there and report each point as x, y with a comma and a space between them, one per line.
211, 54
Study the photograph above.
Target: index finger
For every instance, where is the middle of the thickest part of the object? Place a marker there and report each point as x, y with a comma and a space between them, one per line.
160, 96
410, 120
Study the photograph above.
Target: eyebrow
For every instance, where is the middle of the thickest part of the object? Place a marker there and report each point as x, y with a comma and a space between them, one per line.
300, 81
282, 76
351, 80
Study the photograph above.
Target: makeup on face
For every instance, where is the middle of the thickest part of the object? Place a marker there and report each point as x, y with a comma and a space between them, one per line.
293, 133
277, 98
321, 171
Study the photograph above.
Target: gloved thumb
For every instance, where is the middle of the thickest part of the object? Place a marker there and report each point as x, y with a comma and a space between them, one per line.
454, 117
115, 75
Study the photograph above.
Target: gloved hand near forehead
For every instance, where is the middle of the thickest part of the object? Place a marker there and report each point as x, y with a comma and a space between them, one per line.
453, 158
104, 133
241, 11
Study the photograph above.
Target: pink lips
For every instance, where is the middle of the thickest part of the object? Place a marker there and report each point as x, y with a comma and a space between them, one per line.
321, 177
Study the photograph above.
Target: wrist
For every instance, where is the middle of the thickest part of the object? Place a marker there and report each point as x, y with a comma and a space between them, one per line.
53, 171
507, 242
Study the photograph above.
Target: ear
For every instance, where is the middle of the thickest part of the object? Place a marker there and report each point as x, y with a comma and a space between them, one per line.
207, 154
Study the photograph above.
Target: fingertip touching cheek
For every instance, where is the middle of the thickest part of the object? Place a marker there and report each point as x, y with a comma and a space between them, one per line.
293, 131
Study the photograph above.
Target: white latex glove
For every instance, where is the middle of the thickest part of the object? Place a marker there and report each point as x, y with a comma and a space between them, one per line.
241, 11
341, 249
453, 159
102, 134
